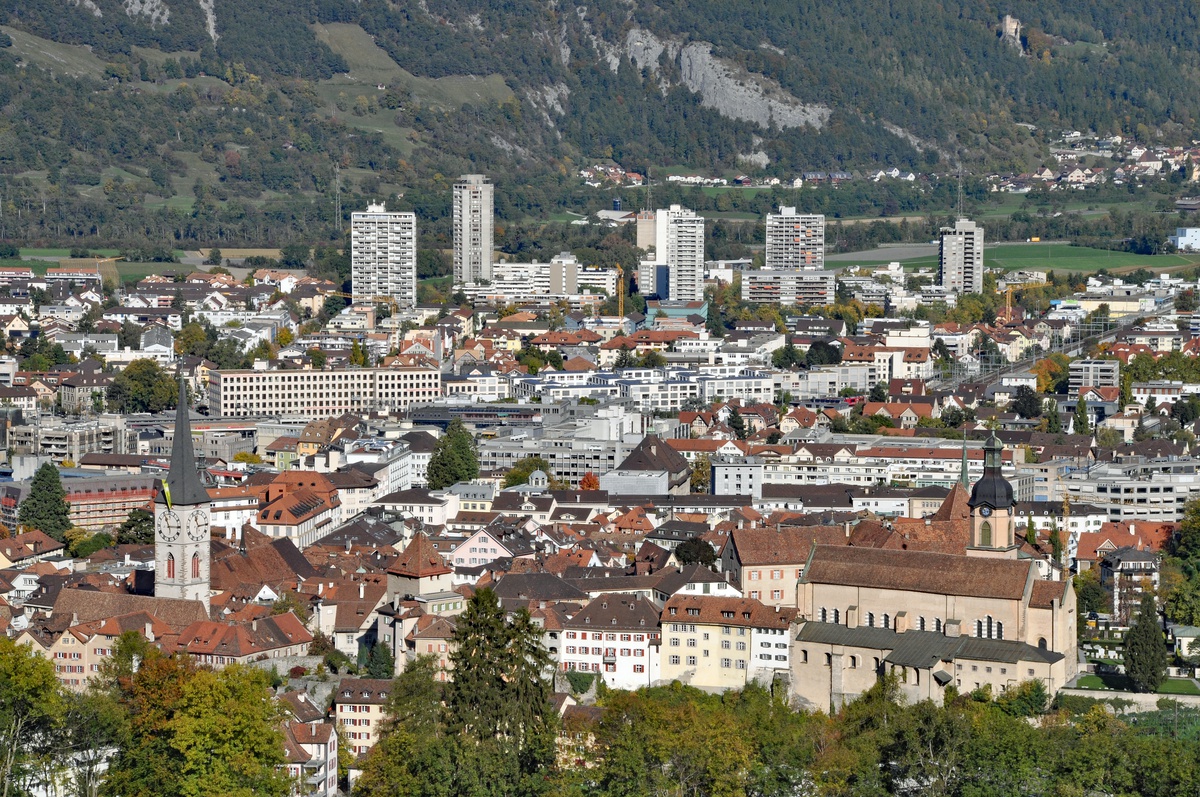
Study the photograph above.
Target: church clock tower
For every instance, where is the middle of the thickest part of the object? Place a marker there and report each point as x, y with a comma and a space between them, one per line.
181, 520
992, 532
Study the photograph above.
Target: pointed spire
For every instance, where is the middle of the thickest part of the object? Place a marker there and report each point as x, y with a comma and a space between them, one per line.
183, 480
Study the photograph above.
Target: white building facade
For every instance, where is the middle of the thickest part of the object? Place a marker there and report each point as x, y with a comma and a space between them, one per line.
474, 229
383, 256
795, 240
960, 265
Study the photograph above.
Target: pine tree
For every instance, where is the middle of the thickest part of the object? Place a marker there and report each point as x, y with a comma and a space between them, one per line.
46, 508
1053, 419
380, 663
1145, 649
454, 459
737, 424
1081, 417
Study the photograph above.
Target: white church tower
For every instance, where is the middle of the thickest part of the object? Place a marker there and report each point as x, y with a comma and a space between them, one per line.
181, 520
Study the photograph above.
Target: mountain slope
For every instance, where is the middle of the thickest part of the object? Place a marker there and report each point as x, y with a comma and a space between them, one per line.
794, 83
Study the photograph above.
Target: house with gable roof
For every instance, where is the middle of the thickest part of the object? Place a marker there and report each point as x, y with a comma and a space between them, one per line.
617, 636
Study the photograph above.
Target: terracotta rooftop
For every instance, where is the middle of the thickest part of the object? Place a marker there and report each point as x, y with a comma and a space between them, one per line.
419, 560
918, 571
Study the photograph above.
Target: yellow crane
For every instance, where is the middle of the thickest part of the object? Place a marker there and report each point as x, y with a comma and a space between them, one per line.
620, 291
390, 301
1008, 295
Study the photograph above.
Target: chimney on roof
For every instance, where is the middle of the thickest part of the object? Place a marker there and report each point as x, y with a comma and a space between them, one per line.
362, 590
74, 618
148, 631
254, 625
846, 526
320, 587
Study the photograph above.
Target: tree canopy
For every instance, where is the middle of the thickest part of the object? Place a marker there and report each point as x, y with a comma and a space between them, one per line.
1145, 648
454, 458
143, 386
46, 508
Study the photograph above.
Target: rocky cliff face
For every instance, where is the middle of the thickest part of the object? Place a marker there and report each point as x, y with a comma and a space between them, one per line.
210, 17
154, 12
727, 89
741, 95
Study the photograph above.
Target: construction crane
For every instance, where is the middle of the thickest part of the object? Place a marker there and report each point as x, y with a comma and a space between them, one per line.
620, 291
390, 301
1008, 295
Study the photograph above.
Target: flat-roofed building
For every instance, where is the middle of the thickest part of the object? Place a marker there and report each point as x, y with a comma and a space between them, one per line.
795, 240
321, 394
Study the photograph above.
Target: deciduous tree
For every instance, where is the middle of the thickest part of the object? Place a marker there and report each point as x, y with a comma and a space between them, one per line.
31, 707
454, 458
142, 387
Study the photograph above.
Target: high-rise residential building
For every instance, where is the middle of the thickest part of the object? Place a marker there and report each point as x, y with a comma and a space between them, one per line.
647, 229
961, 261
383, 256
474, 229
795, 240
679, 245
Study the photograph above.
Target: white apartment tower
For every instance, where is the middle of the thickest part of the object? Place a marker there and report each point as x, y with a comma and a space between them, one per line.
383, 256
961, 262
474, 229
679, 245
795, 240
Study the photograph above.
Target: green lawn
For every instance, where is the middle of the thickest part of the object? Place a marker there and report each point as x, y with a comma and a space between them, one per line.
133, 272
69, 59
1119, 683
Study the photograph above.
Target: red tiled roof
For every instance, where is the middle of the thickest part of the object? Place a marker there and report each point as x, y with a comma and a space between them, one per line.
419, 560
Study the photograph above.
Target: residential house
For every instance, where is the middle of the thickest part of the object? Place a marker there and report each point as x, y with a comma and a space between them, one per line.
617, 636
718, 643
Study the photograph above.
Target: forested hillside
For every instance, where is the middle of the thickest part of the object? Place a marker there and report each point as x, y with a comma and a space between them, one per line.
211, 120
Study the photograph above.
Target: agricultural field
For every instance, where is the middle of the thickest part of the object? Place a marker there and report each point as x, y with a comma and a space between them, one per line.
1058, 257
1064, 257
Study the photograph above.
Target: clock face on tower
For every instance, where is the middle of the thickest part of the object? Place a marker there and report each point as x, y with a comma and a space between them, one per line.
986, 511
197, 526
172, 526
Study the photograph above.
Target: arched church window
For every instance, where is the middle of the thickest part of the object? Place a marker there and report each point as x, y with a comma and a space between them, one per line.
985, 535
195, 565
170, 565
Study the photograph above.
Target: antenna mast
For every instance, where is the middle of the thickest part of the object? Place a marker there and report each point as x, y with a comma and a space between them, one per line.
960, 195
